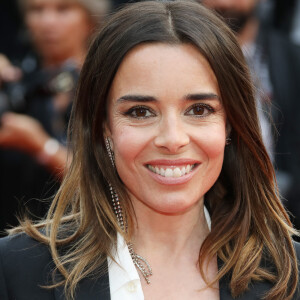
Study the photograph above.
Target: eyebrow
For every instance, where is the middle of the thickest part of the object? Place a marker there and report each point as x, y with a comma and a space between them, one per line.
202, 96
137, 98
146, 98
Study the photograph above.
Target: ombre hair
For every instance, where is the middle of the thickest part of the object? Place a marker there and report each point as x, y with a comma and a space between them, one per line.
249, 224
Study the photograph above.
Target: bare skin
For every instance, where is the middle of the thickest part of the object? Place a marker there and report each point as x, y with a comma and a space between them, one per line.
25, 134
171, 246
8, 72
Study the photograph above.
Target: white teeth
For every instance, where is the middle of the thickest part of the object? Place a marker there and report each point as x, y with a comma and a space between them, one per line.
177, 172
168, 172
183, 171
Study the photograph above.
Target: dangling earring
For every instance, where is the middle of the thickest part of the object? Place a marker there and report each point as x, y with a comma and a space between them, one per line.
141, 263
114, 196
109, 151
228, 141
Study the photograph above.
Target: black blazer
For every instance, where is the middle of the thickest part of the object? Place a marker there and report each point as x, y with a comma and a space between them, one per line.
25, 266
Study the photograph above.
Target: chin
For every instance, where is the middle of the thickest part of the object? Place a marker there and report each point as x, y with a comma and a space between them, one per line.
173, 207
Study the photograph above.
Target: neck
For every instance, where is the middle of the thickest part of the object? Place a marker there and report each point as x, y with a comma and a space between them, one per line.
169, 236
249, 33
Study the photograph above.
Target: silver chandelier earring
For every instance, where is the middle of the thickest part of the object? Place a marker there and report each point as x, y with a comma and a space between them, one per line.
109, 151
141, 263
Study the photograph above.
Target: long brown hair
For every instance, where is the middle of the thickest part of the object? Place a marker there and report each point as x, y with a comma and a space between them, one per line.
249, 224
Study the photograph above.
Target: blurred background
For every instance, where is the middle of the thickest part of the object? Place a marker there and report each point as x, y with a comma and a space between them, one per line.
42, 46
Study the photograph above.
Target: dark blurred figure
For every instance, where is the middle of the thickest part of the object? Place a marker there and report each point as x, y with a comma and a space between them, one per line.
11, 42
35, 102
284, 14
275, 64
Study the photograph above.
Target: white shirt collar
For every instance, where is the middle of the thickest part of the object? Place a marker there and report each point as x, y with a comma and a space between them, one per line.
207, 217
123, 270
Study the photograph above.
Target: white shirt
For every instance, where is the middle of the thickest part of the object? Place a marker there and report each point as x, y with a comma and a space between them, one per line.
124, 280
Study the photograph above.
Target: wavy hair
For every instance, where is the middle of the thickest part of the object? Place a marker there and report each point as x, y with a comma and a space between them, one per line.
249, 223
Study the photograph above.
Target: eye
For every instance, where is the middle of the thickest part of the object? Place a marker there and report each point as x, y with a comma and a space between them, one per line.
199, 110
140, 112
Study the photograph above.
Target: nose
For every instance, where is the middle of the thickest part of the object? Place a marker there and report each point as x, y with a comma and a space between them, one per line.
172, 135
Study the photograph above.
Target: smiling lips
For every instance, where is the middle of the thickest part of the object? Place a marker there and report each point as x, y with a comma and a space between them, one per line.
172, 171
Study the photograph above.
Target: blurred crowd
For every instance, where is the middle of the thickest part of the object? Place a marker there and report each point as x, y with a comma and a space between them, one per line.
37, 88
42, 47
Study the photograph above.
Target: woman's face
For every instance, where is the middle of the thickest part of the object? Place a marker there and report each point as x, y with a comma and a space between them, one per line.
59, 28
167, 126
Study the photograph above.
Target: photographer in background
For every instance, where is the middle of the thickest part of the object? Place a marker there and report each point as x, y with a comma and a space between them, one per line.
35, 102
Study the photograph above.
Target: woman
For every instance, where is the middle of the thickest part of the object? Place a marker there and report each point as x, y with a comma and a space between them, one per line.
164, 117
33, 136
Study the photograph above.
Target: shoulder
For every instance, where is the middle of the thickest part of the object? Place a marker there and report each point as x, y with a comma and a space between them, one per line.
21, 247
25, 266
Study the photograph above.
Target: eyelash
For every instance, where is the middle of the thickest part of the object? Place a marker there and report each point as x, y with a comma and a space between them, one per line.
201, 105
133, 110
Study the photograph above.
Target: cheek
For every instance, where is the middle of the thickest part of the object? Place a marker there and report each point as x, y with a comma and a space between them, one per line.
212, 142
213, 147
128, 145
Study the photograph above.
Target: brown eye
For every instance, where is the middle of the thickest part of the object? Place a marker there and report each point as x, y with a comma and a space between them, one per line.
140, 112
198, 110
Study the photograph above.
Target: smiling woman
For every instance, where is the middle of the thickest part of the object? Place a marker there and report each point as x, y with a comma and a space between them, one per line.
159, 128
171, 194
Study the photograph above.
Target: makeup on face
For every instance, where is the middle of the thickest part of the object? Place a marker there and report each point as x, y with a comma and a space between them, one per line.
167, 126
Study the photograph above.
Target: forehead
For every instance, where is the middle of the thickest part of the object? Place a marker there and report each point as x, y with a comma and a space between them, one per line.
165, 69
